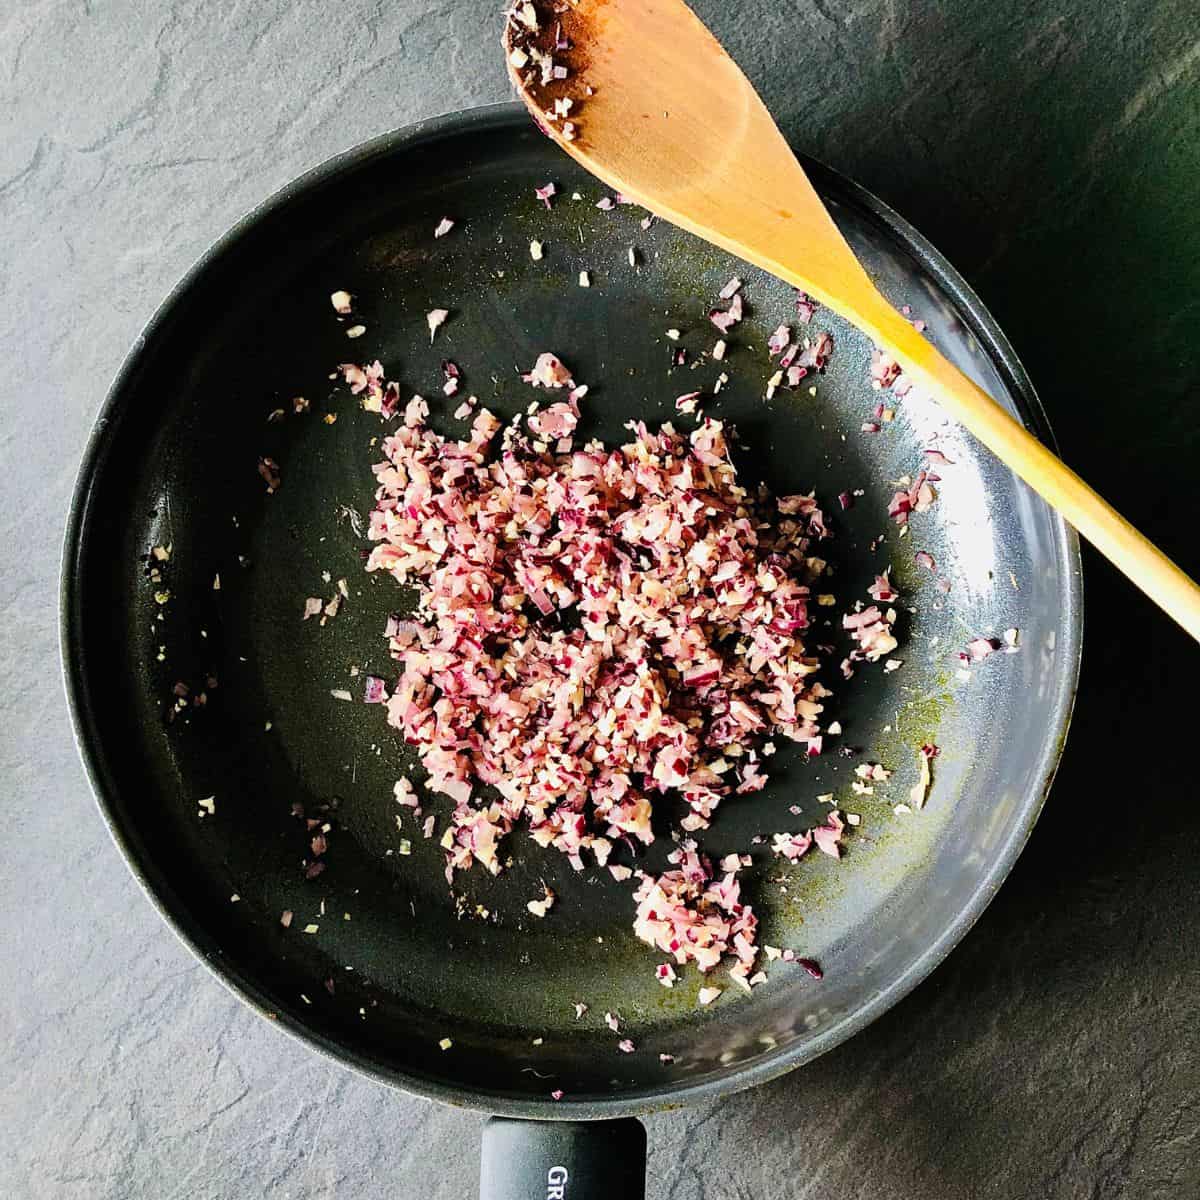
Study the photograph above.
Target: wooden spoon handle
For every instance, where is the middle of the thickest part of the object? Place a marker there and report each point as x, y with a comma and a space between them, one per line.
1140, 560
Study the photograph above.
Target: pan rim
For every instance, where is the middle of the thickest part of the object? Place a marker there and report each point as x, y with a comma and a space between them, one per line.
639, 1101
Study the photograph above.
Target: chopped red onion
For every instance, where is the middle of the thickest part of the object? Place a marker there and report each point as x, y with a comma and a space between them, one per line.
871, 630
805, 308
779, 340
882, 589
792, 846
980, 648
268, 468
541, 906
694, 917
885, 370
725, 321
549, 372
827, 835
659, 552
435, 319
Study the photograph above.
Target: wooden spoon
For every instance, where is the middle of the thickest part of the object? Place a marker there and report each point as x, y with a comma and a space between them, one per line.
662, 114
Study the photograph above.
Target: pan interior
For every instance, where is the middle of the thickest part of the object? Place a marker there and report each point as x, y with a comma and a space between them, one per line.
393, 965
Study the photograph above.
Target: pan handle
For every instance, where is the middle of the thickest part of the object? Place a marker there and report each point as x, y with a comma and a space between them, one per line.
563, 1160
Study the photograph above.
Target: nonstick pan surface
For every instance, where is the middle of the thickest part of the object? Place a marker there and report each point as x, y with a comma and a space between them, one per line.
396, 965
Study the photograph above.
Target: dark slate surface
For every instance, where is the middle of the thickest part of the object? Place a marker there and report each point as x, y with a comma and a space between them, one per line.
1053, 151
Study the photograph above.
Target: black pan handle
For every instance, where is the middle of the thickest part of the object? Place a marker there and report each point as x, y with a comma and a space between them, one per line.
563, 1160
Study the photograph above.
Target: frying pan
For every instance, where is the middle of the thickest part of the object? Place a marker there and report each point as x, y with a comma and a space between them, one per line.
468, 999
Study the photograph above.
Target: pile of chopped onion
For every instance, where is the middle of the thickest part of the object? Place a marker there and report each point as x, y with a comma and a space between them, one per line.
596, 629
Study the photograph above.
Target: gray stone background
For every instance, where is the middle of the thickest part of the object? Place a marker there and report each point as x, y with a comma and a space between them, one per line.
1052, 149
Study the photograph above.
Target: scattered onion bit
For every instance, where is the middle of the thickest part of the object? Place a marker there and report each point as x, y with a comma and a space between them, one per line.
403, 792
268, 468
871, 630
435, 319
920, 790
707, 995
443, 227
793, 847
917, 497
548, 371
341, 302
980, 648
882, 589
626, 1046
662, 555
452, 375
694, 917
828, 834
724, 320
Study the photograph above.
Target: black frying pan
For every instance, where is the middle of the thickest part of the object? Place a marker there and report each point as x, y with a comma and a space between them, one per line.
173, 463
